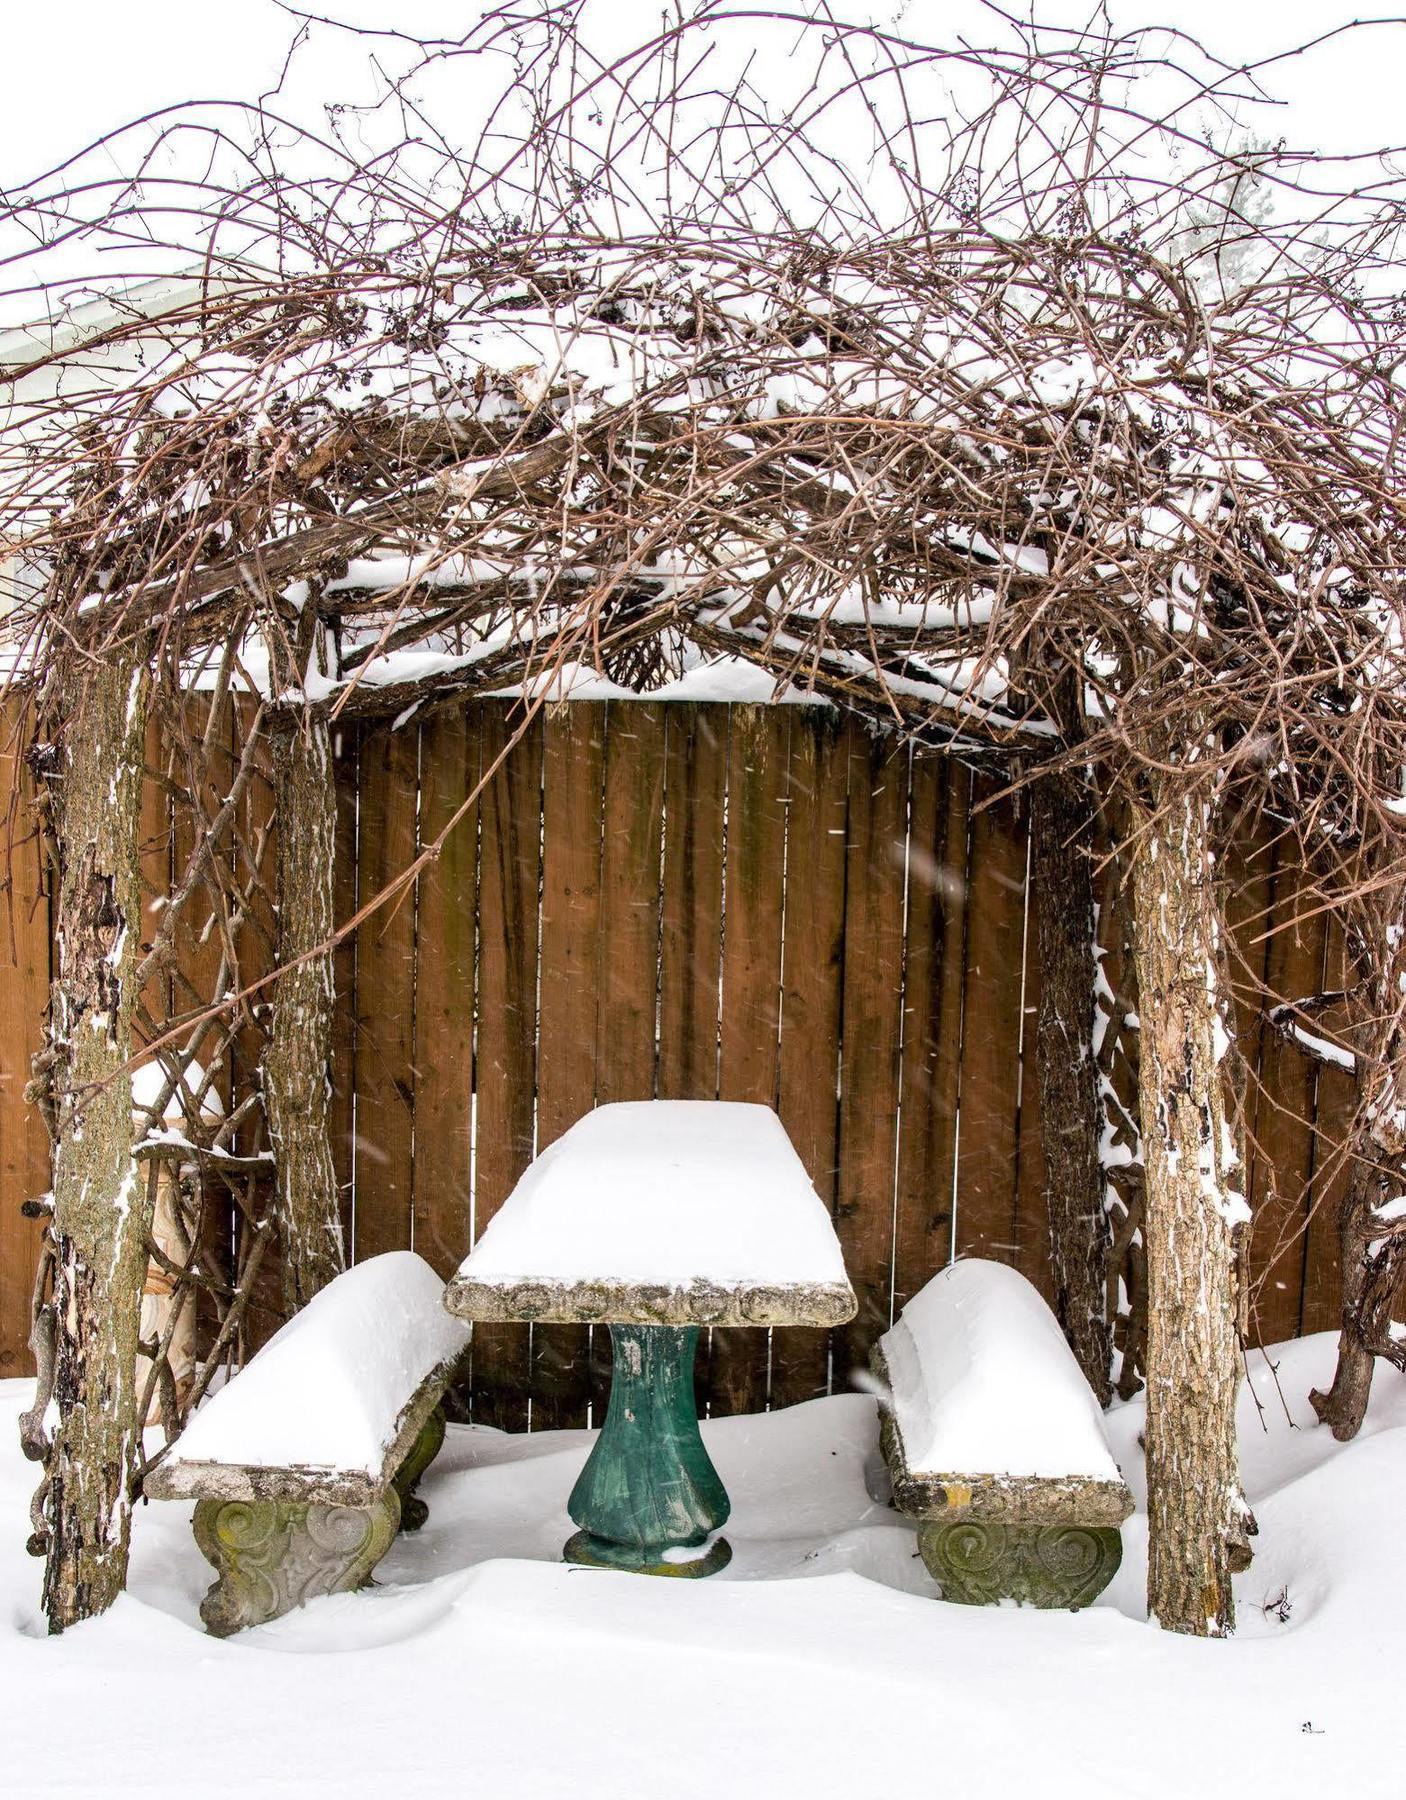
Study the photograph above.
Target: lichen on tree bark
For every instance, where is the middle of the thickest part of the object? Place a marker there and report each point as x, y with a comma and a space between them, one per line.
296, 1059
92, 774
1197, 1519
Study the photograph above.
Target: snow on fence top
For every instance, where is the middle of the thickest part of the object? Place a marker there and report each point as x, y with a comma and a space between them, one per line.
983, 1382
328, 1390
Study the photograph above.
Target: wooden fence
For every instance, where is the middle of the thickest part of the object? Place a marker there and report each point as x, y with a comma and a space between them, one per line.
690, 901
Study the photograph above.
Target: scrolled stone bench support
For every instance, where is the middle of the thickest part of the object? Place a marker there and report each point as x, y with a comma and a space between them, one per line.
990, 1535
980, 1562
272, 1555
280, 1532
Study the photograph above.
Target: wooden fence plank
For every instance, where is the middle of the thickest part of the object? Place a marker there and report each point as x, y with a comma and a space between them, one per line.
986, 1148
1032, 1225
572, 785
691, 932
1247, 866
817, 774
444, 995
628, 948
385, 998
933, 990
24, 973
505, 1033
750, 1019
1321, 1306
1287, 1090
876, 862
341, 1117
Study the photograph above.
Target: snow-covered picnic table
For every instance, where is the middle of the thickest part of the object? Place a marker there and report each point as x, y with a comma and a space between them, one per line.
657, 1217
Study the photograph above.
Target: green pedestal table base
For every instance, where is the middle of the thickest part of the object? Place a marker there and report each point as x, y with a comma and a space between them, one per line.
649, 1494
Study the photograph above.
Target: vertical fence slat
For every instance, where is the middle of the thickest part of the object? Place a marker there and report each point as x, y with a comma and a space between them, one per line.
628, 951
573, 778
695, 758
1287, 1096
1247, 866
1032, 1228
816, 785
1337, 1094
24, 971
751, 989
937, 912
341, 1116
444, 994
505, 1052
385, 997
876, 858
986, 1154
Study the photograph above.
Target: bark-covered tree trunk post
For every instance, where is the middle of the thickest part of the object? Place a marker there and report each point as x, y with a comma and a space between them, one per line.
1071, 1107
1372, 1224
297, 1056
99, 1225
1197, 1519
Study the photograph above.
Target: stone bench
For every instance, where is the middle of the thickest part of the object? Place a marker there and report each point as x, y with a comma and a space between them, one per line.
304, 1466
995, 1443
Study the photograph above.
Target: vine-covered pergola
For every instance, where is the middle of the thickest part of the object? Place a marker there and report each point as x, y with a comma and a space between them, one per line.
1085, 473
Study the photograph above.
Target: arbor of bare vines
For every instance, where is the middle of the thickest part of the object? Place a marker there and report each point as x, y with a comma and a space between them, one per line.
963, 388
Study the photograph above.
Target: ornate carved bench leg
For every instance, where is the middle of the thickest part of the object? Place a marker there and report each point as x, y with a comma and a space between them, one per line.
978, 1562
272, 1555
413, 1511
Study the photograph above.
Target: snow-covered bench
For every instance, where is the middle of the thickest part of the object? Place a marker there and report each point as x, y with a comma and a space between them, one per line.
304, 1465
994, 1441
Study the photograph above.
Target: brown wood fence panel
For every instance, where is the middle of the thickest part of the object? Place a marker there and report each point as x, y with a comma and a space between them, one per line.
341, 1120
876, 859
24, 984
817, 781
444, 995
505, 1030
987, 1162
695, 901
750, 1020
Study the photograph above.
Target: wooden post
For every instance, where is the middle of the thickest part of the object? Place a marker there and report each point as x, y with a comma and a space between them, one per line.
99, 1226
1197, 1518
297, 1057
1071, 1109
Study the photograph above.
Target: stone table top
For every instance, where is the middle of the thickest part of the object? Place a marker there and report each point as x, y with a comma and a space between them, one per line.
661, 1212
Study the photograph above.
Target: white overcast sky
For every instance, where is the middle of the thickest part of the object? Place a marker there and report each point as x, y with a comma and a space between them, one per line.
74, 68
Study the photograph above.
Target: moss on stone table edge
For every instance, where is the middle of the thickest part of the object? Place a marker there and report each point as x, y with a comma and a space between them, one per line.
615, 1302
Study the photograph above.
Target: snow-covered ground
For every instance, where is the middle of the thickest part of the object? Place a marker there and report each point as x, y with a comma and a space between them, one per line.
817, 1664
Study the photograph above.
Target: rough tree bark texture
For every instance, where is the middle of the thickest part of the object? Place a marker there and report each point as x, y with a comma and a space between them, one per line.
99, 1220
1071, 1108
1196, 1514
1372, 1224
296, 1059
